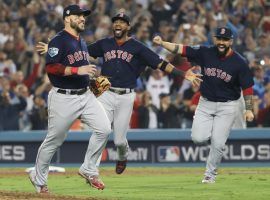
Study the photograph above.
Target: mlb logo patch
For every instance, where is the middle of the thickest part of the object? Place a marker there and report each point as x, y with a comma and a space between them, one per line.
168, 154
53, 51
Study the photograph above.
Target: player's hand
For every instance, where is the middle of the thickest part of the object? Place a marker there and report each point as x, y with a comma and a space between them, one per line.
157, 40
248, 115
192, 77
42, 47
87, 70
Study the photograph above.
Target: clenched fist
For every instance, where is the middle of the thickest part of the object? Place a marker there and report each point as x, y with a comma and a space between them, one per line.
248, 115
157, 40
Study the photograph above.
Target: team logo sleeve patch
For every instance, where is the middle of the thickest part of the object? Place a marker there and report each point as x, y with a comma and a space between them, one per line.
53, 51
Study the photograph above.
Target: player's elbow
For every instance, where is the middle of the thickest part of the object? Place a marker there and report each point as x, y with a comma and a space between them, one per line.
56, 69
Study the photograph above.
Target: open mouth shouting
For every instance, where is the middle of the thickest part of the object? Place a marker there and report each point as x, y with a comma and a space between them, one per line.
118, 31
222, 47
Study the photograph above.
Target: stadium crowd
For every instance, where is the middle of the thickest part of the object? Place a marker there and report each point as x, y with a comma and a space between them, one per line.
162, 101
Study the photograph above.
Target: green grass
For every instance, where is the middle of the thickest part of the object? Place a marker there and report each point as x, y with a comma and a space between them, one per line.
156, 183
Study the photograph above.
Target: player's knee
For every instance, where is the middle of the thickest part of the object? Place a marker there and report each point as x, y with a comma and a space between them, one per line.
106, 130
120, 143
219, 146
199, 140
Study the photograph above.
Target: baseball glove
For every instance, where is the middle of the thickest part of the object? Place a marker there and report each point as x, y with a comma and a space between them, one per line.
99, 85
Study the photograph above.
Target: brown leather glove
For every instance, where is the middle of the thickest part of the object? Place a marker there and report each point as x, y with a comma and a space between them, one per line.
99, 85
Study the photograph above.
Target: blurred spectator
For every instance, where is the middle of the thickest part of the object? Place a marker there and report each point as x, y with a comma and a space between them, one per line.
185, 109
157, 83
10, 112
7, 66
168, 114
259, 83
134, 121
147, 112
263, 119
23, 92
38, 115
44, 88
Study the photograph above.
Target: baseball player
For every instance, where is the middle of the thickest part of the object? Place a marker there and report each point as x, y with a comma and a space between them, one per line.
225, 73
68, 68
124, 58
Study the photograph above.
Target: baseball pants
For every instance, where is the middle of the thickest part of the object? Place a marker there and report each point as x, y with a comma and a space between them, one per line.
213, 121
63, 110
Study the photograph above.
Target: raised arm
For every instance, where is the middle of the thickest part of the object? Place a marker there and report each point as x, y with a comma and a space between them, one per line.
172, 47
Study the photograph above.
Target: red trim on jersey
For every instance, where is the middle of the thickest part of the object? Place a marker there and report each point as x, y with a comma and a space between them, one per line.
227, 56
74, 36
56, 69
120, 42
248, 91
184, 52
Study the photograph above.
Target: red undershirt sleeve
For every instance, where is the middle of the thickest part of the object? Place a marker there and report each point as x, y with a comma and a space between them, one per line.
56, 69
248, 91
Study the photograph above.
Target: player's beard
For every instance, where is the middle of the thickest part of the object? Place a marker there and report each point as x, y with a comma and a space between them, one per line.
120, 35
224, 52
76, 26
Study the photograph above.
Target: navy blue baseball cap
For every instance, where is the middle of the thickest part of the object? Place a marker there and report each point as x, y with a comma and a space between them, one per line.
224, 32
74, 9
121, 16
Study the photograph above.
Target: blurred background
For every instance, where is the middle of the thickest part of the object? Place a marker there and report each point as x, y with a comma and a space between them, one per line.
162, 101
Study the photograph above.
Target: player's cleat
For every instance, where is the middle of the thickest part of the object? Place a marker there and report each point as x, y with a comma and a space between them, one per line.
120, 166
42, 189
94, 181
208, 179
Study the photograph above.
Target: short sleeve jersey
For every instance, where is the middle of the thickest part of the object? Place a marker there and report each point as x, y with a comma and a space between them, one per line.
67, 50
123, 63
223, 78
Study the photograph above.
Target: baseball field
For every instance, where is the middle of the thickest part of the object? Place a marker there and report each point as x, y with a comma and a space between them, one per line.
143, 183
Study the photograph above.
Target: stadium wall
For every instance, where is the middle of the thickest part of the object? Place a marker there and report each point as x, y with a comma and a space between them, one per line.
170, 146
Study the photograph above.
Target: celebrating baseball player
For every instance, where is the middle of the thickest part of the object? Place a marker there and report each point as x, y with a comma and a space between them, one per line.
225, 73
124, 60
68, 68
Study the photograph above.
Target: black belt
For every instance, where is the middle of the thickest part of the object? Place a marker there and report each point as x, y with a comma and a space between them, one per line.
72, 92
121, 91
217, 100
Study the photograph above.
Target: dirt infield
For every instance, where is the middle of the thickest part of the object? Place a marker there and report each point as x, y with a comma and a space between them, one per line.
12, 195
6, 195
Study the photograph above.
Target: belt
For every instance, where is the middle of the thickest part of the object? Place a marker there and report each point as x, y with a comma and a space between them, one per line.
72, 92
121, 91
218, 100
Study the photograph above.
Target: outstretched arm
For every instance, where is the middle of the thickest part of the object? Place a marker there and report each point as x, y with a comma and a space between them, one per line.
195, 79
172, 47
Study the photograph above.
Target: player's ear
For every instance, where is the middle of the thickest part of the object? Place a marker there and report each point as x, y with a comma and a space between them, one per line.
129, 28
67, 20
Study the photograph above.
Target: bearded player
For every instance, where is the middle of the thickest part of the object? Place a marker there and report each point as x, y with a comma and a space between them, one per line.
225, 74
